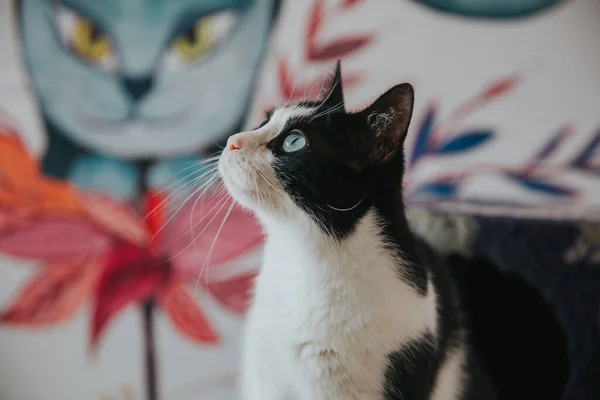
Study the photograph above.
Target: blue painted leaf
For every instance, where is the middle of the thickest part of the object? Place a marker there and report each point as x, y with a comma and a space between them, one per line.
466, 141
588, 151
423, 136
551, 146
540, 185
443, 189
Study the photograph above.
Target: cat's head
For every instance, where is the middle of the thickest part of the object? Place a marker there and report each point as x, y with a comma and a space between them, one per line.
314, 160
139, 79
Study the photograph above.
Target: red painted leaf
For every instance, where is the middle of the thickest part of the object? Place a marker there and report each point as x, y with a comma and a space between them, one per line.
500, 87
154, 211
130, 276
351, 80
54, 239
11, 220
349, 3
305, 91
315, 19
234, 293
286, 83
337, 49
118, 219
195, 233
52, 296
291, 91
186, 316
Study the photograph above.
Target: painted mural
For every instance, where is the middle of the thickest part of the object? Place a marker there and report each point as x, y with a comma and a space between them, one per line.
116, 212
453, 135
125, 267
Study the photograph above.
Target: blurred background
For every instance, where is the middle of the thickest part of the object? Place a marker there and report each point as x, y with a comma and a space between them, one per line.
118, 280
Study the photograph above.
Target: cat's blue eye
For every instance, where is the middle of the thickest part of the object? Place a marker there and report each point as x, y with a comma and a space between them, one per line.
294, 141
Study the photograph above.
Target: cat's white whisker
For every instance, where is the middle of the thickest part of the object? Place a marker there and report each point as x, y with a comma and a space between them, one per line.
322, 86
169, 198
198, 198
269, 183
336, 81
209, 169
215, 177
327, 111
174, 195
174, 214
260, 175
206, 215
346, 209
212, 246
187, 186
256, 188
220, 204
292, 92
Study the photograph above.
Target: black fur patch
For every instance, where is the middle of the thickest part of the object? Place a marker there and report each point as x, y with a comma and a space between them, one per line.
353, 163
411, 370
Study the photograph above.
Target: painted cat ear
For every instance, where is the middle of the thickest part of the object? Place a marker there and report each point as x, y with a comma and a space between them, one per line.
388, 119
334, 99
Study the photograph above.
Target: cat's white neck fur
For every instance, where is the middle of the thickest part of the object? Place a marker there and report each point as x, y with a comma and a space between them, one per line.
327, 311
358, 269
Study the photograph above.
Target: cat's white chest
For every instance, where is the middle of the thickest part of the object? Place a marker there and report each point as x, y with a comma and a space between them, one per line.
324, 320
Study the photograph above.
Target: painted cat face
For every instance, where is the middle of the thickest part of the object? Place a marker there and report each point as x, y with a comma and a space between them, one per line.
317, 161
142, 78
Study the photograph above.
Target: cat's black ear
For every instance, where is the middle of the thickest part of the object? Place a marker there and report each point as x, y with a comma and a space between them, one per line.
334, 97
387, 121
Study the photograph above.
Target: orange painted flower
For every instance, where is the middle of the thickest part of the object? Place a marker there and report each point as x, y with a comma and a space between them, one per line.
22, 187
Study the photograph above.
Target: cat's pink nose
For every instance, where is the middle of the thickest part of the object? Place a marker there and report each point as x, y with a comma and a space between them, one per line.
234, 143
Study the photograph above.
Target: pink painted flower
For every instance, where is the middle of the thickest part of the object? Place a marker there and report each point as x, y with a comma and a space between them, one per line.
96, 248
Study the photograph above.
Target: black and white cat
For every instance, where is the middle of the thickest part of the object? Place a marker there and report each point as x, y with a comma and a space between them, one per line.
349, 304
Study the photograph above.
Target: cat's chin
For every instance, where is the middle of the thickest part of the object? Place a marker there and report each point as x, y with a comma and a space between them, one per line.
252, 201
240, 194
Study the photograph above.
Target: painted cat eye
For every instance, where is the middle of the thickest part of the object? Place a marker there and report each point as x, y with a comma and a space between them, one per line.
294, 141
84, 37
203, 35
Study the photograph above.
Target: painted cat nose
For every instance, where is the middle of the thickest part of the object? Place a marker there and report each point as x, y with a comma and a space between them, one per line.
234, 143
137, 88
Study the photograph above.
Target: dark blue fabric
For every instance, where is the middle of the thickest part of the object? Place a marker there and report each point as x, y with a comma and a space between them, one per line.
537, 250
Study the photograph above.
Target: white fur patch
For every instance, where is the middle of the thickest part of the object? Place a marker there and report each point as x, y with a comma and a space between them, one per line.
450, 383
380, 122
326, 314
